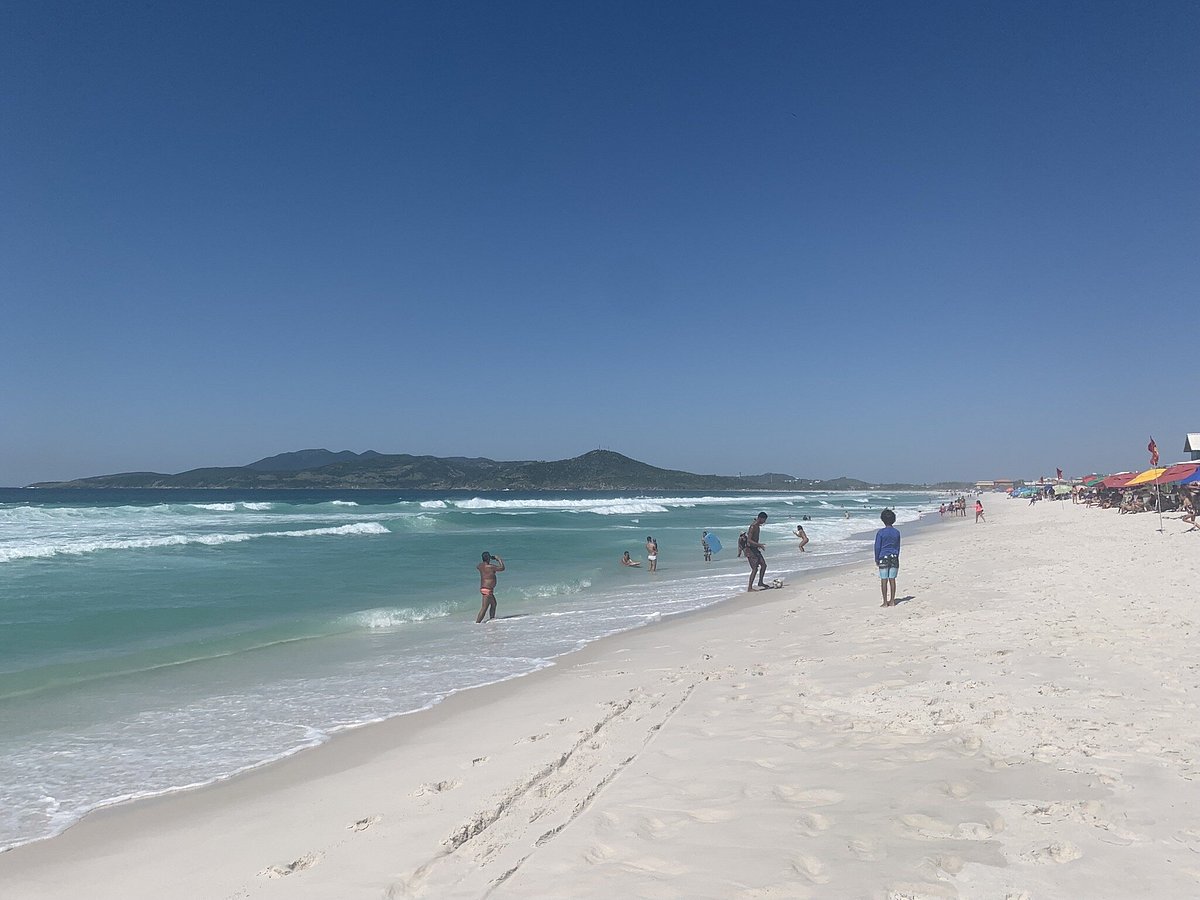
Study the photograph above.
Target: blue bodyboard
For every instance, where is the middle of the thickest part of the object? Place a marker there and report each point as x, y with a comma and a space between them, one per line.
714, 542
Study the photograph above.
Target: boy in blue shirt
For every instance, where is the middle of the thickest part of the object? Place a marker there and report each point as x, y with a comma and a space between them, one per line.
887, 556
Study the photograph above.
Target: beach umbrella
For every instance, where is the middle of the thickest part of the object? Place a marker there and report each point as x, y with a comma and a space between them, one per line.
1092, 480
1118, 480
1177, 472
1146, 477
1060, 489
1191, 479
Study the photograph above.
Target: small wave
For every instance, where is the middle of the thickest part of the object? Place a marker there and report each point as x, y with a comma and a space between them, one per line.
342, 503
433, 504
386, 619
39, 551
561, 589
232, 507
620, 506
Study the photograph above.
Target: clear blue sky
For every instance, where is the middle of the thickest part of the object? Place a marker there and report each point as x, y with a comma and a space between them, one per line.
906, 241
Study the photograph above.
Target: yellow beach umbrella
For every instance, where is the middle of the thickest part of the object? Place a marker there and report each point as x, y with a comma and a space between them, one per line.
1145, 477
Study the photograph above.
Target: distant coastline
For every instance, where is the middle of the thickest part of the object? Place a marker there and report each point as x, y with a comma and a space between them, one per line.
598, 470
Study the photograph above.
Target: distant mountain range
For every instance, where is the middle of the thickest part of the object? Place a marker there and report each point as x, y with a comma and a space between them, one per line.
599, 470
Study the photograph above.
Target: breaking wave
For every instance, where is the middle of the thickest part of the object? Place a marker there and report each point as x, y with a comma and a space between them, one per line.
36, 551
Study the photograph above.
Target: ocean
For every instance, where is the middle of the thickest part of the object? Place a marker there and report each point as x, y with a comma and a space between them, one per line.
152, 641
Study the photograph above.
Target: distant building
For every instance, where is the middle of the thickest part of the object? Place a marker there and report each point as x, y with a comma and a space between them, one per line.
996, 484
1192, 445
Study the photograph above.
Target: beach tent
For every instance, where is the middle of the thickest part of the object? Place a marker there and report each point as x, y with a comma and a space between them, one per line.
1177, 472
1118, 480
1191, 479
1146, 477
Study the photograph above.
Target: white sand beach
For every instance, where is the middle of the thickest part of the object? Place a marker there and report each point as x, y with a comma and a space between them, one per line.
1023, 726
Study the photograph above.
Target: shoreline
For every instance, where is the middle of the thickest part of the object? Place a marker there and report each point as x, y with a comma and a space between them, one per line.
1017, 727
120, 805
785, 567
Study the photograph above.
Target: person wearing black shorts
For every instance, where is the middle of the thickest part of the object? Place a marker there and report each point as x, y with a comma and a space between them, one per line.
754, 552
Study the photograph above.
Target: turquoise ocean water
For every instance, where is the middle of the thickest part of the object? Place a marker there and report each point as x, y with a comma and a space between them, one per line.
157, 640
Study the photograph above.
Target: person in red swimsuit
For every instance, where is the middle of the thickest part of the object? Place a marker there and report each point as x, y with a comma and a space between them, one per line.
487, 585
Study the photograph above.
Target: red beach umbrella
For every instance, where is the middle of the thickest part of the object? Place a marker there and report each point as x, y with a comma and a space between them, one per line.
1119, 480
1177, 472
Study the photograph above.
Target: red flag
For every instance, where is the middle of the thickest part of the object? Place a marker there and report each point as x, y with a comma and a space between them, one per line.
1153, 449
1059, 471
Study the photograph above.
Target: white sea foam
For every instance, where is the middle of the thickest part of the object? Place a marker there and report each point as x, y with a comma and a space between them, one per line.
433, 504
387, 619
611, 507
232, 507
82, 546
342, 503
559, 589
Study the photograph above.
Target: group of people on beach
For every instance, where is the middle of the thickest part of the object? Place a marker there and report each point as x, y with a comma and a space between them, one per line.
956, 507
750, 545
1183, 498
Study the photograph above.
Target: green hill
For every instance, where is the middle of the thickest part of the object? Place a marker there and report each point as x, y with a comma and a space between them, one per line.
599, 470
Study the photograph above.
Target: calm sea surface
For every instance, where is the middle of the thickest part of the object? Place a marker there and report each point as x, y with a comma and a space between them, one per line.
155, 640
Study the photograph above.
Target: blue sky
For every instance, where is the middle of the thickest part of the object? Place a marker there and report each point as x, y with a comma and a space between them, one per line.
899, 241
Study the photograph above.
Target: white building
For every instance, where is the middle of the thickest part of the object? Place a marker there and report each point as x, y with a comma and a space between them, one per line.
1192, 445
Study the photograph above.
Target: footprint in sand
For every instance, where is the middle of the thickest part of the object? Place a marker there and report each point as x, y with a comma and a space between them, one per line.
812, 824
1055, 852
364, 824
599, 853
864, 849
480, 760
946, 863
926, 826
280, 870
436, 787
533, 738
811, 868
956, 789
979, 831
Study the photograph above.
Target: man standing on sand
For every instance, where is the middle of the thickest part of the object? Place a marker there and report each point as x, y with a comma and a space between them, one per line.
487, 585
754, 554
651, 554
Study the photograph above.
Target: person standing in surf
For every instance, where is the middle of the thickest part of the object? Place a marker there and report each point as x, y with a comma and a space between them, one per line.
754, 554
705, 548
652, 553
487, 585
799, 532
